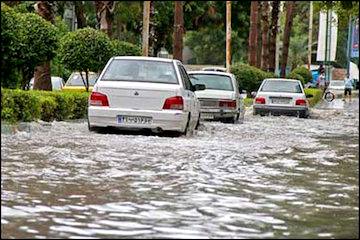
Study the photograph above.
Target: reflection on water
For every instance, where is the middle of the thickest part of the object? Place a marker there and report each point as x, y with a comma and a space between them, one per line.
271, 177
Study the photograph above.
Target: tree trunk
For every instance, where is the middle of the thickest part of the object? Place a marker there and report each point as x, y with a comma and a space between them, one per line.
104, 15
265, 38
259, 40
42, 74
178, 30
152, 40
79, 12
253, 34
286, 39
273, 32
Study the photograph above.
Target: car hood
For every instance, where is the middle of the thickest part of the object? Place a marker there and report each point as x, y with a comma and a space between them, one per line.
212, 93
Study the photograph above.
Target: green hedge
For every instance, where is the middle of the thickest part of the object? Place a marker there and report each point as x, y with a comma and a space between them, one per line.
317, 95
26, 106
304, 73
294, 75
249, 78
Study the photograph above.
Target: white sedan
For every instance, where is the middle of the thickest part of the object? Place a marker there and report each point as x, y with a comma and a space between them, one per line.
144, 93
281, 96
221, 100
338, 85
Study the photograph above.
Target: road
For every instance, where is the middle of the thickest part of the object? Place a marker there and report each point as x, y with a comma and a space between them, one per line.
270, 177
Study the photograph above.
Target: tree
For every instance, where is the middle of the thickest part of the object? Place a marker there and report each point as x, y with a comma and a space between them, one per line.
79, 12
178, 30
286, 39
259, 39
273, 32
85, 50
42, 74
104, 15
253, 33
265, 34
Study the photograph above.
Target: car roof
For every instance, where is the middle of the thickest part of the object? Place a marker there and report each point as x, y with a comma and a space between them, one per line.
145, 58
211, 73
282, 79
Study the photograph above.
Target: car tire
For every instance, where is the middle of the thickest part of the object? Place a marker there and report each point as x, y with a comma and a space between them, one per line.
255, 112
185, 133
90, 128
303, 114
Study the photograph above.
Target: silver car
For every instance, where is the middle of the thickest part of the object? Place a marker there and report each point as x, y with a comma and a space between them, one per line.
281, 96
221, 99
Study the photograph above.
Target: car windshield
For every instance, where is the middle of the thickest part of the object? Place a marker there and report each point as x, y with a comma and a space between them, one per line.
337, 83
56, 83
212, 81
281, 86
140, 71
75, 79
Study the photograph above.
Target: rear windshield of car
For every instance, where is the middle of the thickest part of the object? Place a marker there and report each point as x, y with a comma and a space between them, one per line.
337, 83
75, 79
281, 86
217, 82
140, 71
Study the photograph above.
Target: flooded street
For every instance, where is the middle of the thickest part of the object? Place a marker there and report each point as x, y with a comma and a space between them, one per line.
270, 177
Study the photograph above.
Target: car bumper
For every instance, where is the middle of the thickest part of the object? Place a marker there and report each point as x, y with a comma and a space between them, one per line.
281, 109
165, 120
216, 114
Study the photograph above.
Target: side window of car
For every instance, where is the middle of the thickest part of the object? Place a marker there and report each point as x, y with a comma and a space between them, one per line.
185, 77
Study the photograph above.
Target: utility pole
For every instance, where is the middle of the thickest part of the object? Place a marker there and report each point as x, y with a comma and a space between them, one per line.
145, 30
178, 30
228, 35
310, 34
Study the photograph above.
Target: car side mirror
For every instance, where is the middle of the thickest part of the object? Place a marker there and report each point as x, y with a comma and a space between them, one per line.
199, 87
309, 95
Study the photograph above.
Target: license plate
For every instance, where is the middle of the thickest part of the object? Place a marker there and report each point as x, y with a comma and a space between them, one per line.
134, 119
207, 116
280, 100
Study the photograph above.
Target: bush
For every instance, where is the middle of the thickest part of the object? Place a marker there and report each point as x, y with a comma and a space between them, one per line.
85, 49
19, 105
296, 76
27, 41
122, 48
304, 73
317, 95
249, 77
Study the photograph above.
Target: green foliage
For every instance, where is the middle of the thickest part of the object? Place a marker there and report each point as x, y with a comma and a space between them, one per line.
294, 75
19, 105
317, 95
304, 73
208, 45
122, 48
249, 77
27, 41
85, 49
39, 39
10, 45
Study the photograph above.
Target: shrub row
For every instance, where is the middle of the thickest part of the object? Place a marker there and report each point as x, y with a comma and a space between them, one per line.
248, 77
317, 95
302, 74
26, 106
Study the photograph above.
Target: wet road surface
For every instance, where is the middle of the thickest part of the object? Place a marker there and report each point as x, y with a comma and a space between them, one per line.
270, 177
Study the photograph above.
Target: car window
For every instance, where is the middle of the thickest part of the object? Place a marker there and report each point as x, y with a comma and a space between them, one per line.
281, 86
75, 79
185, 77
56, 83
140, 71
211, 81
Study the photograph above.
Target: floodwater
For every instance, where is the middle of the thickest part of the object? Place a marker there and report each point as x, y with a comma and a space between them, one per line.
270, 177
